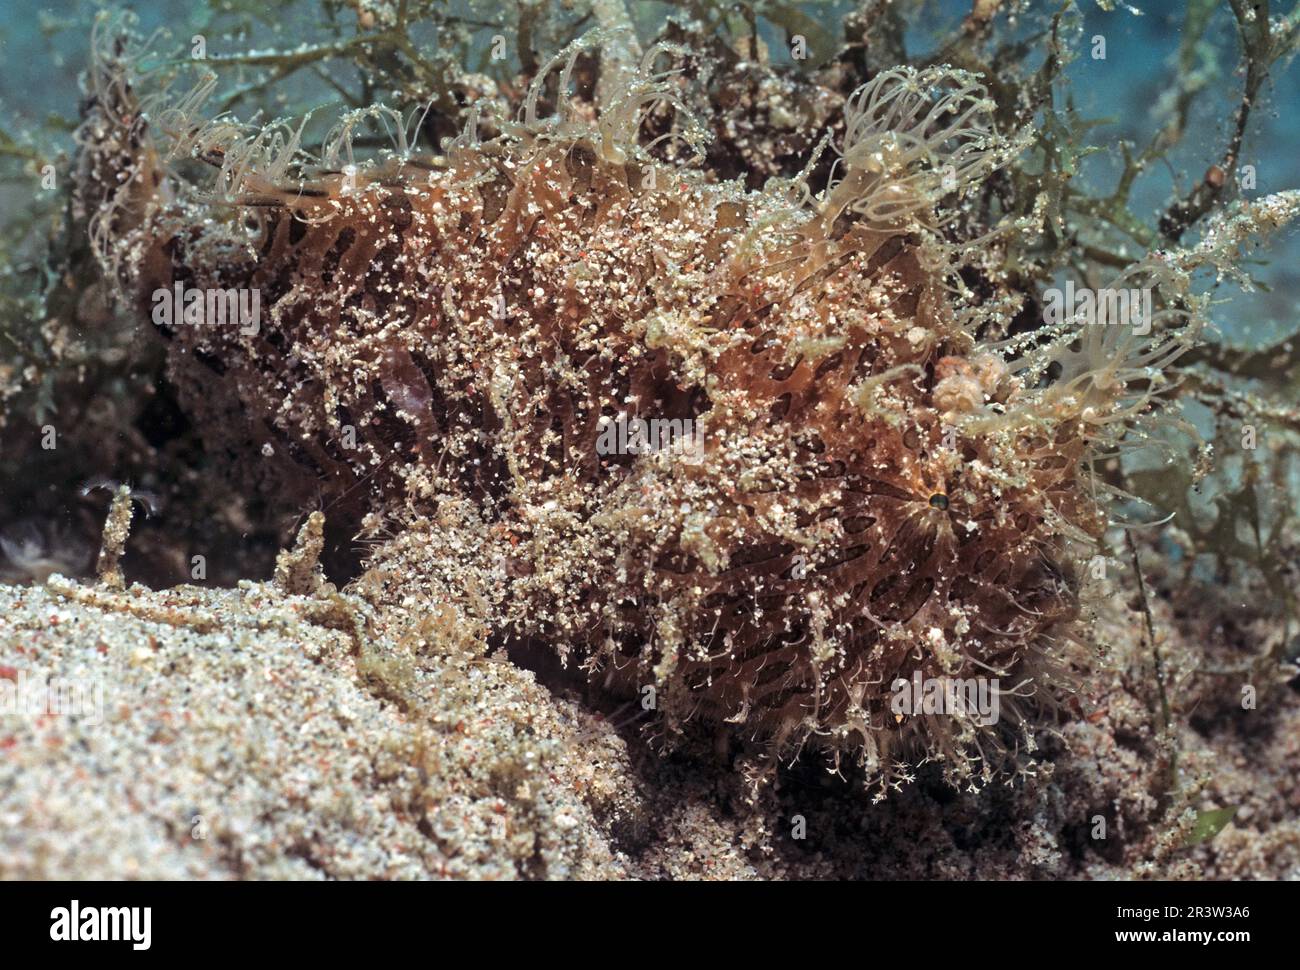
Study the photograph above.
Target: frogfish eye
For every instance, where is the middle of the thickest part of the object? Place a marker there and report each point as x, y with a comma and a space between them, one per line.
939, 501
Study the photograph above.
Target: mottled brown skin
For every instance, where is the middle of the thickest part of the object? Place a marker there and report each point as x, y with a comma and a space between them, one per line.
830, 541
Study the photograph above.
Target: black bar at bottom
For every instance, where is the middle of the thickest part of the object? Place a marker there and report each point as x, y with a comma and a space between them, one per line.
701, 922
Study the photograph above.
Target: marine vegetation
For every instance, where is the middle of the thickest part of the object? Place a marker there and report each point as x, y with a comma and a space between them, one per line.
751, 435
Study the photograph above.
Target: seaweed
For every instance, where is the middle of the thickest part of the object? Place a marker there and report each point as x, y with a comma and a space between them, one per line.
751, 93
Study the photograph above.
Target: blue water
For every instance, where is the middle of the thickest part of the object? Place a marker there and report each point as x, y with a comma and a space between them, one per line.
43, 48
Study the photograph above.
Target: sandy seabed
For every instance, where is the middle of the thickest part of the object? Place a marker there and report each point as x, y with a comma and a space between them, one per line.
248, 733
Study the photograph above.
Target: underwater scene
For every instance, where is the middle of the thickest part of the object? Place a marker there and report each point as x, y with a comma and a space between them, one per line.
635, 440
